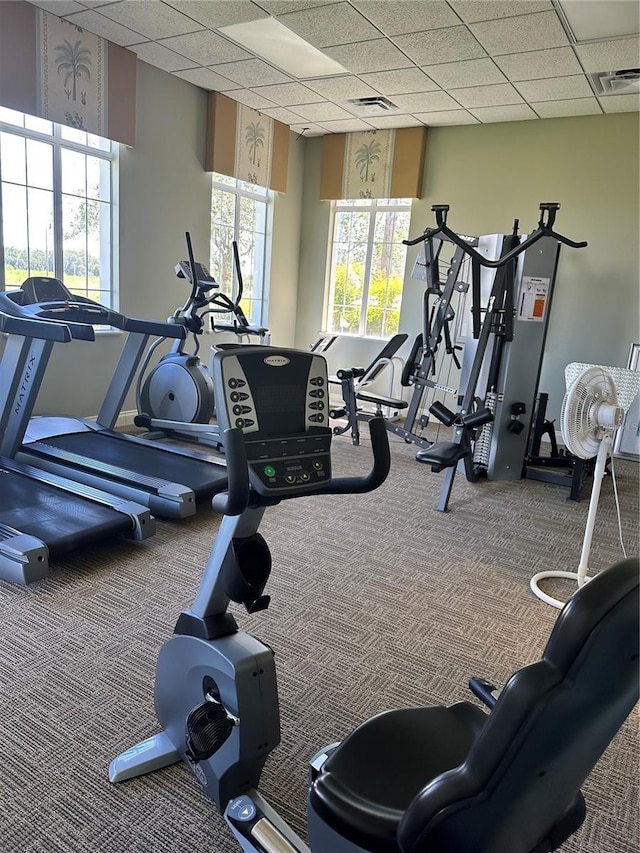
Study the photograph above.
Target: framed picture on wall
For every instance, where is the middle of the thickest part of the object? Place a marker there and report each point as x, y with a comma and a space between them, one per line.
627, 440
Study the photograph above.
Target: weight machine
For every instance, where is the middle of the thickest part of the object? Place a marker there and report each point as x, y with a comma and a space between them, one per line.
502, 358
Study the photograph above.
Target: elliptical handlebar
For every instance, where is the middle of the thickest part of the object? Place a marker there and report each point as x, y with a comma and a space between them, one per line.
544, 229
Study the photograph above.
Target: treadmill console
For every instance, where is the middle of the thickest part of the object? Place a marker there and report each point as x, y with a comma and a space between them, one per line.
40, 288
279, 399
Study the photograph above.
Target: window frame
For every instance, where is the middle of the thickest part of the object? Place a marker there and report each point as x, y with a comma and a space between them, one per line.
372, 207
107, 152
240, 189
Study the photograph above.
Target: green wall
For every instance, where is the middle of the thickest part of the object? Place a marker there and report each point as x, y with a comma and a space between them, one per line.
491, 174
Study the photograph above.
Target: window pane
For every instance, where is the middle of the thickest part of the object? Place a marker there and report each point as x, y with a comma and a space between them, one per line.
13, 158
74, 178
40, 164
16, 242
11, 117
40, 125
224, 179
71, 134
40, 207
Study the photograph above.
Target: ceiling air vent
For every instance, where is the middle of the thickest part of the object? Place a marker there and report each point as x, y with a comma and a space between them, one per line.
625, 82
374, 106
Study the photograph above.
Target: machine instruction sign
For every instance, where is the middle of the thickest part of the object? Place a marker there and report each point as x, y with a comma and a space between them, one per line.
533, 299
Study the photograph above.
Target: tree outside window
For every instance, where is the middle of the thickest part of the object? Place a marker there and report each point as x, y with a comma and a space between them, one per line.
367, 266
56, 214
239, 212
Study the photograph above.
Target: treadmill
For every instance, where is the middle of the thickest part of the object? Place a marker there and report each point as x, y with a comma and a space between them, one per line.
41, 515
169, 480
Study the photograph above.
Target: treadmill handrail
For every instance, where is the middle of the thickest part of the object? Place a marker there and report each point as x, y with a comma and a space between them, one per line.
81, 313
34, 328
9, 306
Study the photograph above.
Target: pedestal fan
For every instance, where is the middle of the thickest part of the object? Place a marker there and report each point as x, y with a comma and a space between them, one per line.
590, 416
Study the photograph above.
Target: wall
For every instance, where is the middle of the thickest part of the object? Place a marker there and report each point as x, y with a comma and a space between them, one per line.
491, 174
164, 191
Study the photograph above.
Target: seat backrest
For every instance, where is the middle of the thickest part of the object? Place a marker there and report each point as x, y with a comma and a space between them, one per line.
551, 724
388, 351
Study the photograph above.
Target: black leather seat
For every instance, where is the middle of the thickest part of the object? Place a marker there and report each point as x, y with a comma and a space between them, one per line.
459, 780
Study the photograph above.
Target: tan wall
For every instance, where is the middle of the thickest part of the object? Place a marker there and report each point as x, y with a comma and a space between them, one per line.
491, 174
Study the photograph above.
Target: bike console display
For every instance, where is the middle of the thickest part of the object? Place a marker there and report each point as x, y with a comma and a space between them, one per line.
279, 399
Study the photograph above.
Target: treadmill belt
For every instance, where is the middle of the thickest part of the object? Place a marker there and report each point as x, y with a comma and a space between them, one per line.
63, 521
151, 461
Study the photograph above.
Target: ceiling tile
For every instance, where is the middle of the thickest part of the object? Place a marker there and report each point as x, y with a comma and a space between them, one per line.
620, 103
517, 35
446, 117
97, 24
207, 79
285, 94
282, 115
446, 45
424, 102
570, 107
341, 88
376, 55
488, 96
470, 72
219, 13
59, 7
308, 129
250, 99
395, 17
400, 82
381, 122
609, 55
480, 10
555, 88
537, 64
205, 48
515, 112
154, 20
322, 112
337, 23
251, 72
279, 7
352, 125
91, 3
161, 57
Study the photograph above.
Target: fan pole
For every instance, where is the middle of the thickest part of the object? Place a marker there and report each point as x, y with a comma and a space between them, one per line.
598, 476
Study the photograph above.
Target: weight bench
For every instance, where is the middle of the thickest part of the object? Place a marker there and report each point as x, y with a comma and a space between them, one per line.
353, 382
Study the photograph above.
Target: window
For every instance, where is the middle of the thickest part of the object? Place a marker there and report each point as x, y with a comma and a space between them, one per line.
367, 266
56, 211
239, 212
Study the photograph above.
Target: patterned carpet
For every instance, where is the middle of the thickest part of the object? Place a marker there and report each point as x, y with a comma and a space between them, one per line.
377, 601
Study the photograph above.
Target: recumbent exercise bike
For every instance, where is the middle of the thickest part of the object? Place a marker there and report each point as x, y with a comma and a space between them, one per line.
417, 780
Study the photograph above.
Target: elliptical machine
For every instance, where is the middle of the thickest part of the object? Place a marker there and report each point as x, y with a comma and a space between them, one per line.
179, 388
215, 690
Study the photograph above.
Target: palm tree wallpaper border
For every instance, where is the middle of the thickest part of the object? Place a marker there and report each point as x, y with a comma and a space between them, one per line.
72, 75
368, 164
254, 147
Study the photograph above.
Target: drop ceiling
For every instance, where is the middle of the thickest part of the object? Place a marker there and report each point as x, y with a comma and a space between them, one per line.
440, 63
